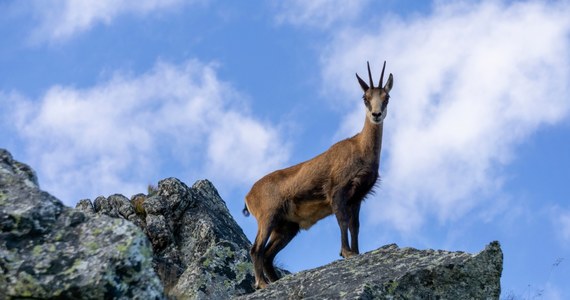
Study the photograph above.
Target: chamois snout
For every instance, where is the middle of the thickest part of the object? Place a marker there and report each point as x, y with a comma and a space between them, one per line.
376, 117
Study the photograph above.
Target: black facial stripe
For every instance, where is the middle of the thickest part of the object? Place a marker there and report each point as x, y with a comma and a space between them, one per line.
367, 103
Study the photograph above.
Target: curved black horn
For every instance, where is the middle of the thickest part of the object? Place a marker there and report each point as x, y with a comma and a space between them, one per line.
381, 76
370, 76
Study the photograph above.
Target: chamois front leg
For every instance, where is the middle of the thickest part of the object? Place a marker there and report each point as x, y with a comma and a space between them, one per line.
341, 212
354, 226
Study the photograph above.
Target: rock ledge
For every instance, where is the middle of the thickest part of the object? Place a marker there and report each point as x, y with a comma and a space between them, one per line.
391, 272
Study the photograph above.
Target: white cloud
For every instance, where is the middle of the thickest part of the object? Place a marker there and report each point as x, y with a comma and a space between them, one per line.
242, 148
471, 82
118, 135
62, 19
562, 222
318, 13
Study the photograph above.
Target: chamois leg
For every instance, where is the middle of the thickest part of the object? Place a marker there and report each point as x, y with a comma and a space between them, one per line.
258, 254
354, 226
280, 237
340, 210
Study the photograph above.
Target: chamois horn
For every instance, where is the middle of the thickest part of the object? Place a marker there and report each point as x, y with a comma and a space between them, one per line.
381, 75
370, 76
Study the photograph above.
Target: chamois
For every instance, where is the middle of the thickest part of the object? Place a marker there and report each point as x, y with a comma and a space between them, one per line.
336, 181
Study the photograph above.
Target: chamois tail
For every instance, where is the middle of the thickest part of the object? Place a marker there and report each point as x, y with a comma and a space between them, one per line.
245, 211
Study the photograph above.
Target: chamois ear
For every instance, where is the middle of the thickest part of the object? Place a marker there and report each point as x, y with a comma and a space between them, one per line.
363, 84
389, 83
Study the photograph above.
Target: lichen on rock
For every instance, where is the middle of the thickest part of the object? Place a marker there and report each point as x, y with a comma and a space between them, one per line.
48, 250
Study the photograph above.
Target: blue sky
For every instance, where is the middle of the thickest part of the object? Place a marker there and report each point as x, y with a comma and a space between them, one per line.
104, 97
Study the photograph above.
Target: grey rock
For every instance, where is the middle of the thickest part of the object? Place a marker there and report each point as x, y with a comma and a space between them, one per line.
17, 169
48, 250
391, 272
200, 252
86, 207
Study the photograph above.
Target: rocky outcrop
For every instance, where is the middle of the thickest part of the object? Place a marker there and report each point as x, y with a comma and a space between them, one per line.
185, 240
48, 250
391, 272
199, 250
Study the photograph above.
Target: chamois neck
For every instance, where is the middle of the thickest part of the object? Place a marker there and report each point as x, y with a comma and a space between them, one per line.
371, 138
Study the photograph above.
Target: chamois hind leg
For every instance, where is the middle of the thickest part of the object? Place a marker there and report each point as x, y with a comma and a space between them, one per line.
283, 233
258, 253
354, 226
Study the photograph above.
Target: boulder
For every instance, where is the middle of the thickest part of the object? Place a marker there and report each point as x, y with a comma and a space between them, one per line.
200, 252
48, 250
391, 272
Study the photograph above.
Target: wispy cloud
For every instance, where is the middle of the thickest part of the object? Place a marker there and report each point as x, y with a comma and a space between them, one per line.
472, 81
243, 149
562, 223
60, 20
118, 135
318, 13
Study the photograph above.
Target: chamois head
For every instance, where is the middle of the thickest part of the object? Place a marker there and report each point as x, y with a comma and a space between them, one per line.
376, 98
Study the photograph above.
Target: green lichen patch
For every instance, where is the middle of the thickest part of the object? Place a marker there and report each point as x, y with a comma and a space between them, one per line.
27, 286
3, 198
391, 287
